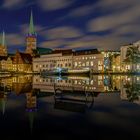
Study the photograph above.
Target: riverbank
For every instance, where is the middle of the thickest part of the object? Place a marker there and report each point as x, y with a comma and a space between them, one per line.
7, 74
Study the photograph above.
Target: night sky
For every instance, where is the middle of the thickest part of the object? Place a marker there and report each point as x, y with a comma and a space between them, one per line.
75, 24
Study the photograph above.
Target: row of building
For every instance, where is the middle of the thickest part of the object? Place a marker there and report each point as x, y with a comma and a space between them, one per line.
36, 59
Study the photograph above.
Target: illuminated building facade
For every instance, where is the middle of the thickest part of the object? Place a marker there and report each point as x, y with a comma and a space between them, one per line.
22, 62
57, 59
116, 63
130, 57
91, 59
7, 64
69, 59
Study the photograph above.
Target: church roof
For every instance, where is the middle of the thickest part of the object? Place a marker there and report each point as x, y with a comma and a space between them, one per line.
22, 58
31, 26
42, 51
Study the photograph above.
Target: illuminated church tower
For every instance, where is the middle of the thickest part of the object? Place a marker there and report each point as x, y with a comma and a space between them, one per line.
3, 48
31, 38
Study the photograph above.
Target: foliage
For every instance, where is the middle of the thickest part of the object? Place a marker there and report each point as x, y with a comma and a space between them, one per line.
133, 92
133, 54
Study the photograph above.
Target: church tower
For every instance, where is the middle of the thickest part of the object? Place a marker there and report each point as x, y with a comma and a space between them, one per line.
3, 48
31, 38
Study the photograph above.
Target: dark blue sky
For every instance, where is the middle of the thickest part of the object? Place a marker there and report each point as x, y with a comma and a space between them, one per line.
76, 24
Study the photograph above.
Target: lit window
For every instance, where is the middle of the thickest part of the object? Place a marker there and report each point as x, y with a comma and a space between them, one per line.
128, 67
100, 68
76, 64
100, 83
83, 64
99, 62
100, 77
87, 63
91, 63
91, 82
79, 63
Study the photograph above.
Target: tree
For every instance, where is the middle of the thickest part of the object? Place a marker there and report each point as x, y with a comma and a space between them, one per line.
132, 55
132, 92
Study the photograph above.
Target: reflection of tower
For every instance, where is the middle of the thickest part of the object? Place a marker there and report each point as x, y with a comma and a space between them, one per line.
3, 48
31, 38
31, 108
31, 101
2, 102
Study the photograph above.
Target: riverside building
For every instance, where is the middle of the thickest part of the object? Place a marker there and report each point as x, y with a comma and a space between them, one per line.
130, 57
68, 59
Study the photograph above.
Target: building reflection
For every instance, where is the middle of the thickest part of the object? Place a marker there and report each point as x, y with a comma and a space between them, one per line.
72, 94
22, 84
130, 89
34, 87
96, 83
3, 99
73, 101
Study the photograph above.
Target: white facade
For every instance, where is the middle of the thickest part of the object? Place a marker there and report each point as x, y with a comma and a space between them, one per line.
52, 61
94, 62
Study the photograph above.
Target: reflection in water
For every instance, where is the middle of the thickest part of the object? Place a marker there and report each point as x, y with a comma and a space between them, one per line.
2, 102
72, 94
131, 89
73, 101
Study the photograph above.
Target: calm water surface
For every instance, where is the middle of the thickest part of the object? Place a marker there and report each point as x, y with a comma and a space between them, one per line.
96, 107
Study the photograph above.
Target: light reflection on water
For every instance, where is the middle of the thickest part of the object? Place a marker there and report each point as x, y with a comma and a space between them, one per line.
110, 101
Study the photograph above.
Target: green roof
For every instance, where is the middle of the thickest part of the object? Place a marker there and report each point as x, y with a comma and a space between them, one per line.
31, 27
2, 41
44, 50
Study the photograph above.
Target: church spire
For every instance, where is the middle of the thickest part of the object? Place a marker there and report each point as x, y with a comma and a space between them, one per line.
3, 39
31, 26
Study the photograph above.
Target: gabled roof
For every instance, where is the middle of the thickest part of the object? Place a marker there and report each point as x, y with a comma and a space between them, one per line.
25, 58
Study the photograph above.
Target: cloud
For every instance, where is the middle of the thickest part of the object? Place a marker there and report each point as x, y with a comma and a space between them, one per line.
63, 32
125, 16
10, 4
106, 42
52, 43
15, 40
119, 22
54, 4
81, 11
24, 29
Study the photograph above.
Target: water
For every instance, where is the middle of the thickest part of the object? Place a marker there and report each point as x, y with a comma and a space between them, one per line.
96, 107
